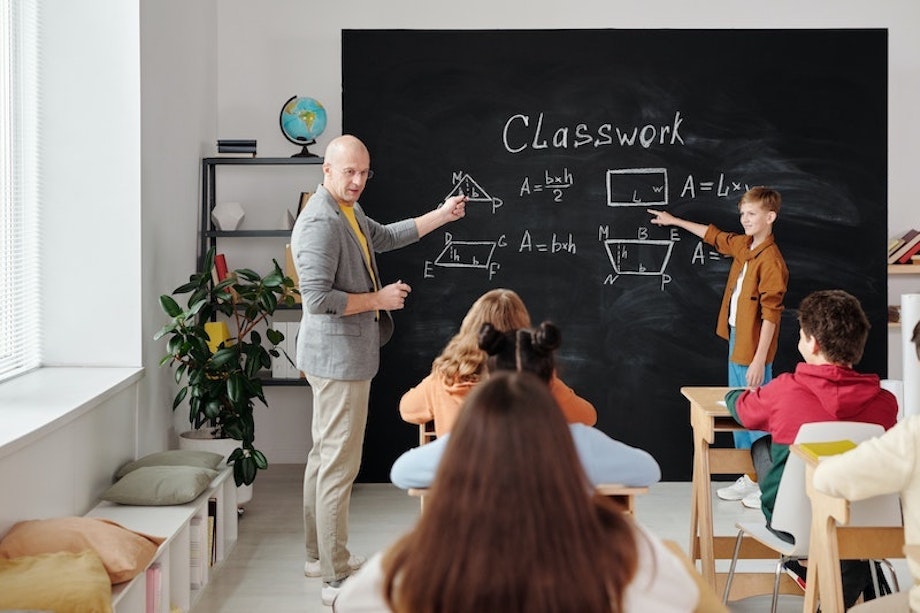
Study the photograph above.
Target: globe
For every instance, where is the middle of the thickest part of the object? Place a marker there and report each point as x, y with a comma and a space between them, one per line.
302, 120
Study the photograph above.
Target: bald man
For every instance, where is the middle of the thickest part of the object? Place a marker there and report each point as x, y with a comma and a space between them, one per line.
345, 320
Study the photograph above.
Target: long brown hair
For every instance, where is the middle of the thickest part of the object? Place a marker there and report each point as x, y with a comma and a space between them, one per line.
462, 360
510, 524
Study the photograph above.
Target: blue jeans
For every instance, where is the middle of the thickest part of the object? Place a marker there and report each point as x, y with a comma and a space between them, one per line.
737, 377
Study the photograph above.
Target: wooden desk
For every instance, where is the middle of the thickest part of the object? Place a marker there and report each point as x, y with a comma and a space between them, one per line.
623, 495
707, 417
832, 540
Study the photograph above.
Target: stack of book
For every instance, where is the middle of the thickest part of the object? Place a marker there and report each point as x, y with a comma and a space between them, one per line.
236, 148
902, 248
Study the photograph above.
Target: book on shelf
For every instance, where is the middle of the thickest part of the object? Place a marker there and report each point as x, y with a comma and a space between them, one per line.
153, 588
212, 531
197, 576
911, 238
220, 266
906, 258
822, 449
897, 241
235, 154
236, 142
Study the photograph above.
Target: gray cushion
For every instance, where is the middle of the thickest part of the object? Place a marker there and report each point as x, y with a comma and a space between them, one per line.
160, 485
174, 457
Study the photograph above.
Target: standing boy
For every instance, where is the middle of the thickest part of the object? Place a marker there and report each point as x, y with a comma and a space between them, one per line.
832, 336
751, 304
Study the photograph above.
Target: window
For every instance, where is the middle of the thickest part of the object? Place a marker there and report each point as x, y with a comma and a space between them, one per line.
20, 339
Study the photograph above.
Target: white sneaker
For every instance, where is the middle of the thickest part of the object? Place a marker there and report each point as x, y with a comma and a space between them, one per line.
739, 489
312, 569
752, 500
331, 591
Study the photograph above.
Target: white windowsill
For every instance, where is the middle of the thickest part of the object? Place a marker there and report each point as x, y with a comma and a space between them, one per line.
39, 402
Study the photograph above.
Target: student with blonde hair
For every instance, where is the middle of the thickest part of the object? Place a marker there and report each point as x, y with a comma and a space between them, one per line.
511, 525
461, 365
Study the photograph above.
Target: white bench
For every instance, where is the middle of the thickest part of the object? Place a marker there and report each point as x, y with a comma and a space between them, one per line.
176, 525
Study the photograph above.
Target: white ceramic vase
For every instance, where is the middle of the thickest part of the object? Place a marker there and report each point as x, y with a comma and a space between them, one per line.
201, 440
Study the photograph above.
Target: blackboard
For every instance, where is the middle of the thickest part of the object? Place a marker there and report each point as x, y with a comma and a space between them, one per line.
562, 139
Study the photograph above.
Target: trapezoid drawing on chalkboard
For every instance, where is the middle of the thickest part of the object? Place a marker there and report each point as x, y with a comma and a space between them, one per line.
637, 186
638, 257
466, 185
466, 254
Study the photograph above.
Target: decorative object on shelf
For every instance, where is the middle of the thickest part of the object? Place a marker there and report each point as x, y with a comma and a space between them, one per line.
302, 120
221, 385
218, 332
228, 215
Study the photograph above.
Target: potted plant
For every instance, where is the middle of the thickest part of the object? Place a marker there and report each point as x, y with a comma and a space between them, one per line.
221, 385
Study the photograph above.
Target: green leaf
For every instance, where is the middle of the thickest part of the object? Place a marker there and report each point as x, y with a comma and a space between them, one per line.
249, 274
260, 459
224, 356
170, 306
183, 392
274, 336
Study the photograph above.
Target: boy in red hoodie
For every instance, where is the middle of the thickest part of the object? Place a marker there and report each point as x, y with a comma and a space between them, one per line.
832, 336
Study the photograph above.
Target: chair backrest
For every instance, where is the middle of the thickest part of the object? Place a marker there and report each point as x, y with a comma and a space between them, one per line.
792, 510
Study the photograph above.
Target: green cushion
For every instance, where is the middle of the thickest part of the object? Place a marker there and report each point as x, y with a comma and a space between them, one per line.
174, 457
160, 485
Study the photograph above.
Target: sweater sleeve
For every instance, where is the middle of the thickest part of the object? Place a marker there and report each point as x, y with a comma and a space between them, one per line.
881, 465
414, 406
418, 466
575, 408
606, 460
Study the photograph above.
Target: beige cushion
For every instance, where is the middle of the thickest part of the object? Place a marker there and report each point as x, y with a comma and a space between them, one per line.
160, 485
124, 553
62, 582
174, 457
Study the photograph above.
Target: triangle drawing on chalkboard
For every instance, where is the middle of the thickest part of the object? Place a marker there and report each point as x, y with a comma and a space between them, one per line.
471, 189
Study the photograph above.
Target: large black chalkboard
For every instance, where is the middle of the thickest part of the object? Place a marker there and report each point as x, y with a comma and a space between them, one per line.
562, 138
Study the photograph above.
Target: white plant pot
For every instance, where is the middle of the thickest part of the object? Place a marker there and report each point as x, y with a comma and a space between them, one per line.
201, 440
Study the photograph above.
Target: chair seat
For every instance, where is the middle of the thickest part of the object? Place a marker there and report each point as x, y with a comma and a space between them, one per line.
759, 532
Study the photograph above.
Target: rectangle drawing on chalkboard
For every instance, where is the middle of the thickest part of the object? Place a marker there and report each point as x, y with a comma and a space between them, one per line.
638, 257
637, 186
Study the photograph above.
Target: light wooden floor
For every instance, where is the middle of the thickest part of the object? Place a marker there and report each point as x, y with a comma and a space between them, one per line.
265, 570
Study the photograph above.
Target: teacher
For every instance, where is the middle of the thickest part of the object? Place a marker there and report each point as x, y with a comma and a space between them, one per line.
345, 321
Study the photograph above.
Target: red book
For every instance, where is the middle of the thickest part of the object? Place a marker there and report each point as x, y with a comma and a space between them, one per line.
905, 259
220, 265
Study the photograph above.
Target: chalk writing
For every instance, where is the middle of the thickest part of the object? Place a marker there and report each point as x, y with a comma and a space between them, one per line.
465, 254
638, 257
464, 184
723, 189
520, 133
554, 183
553, 246
637, 186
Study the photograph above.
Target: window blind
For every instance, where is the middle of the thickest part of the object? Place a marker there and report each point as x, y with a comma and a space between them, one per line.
20, 211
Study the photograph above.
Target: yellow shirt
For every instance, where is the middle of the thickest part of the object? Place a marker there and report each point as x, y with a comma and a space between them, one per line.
349, 212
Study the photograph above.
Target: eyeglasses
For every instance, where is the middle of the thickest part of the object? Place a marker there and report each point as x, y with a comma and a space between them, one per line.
363, 174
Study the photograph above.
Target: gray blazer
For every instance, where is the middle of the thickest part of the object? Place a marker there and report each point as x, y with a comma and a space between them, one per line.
330, 263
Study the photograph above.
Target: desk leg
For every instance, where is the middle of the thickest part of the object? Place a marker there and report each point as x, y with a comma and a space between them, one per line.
812, 582
702, 494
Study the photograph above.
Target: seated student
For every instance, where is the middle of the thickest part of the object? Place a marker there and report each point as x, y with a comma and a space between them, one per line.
461, 365
604, 459
511, 525
884, 465
832, 336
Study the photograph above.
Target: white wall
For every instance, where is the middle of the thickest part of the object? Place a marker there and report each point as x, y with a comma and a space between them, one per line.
91, 215
271, 50
179, 126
